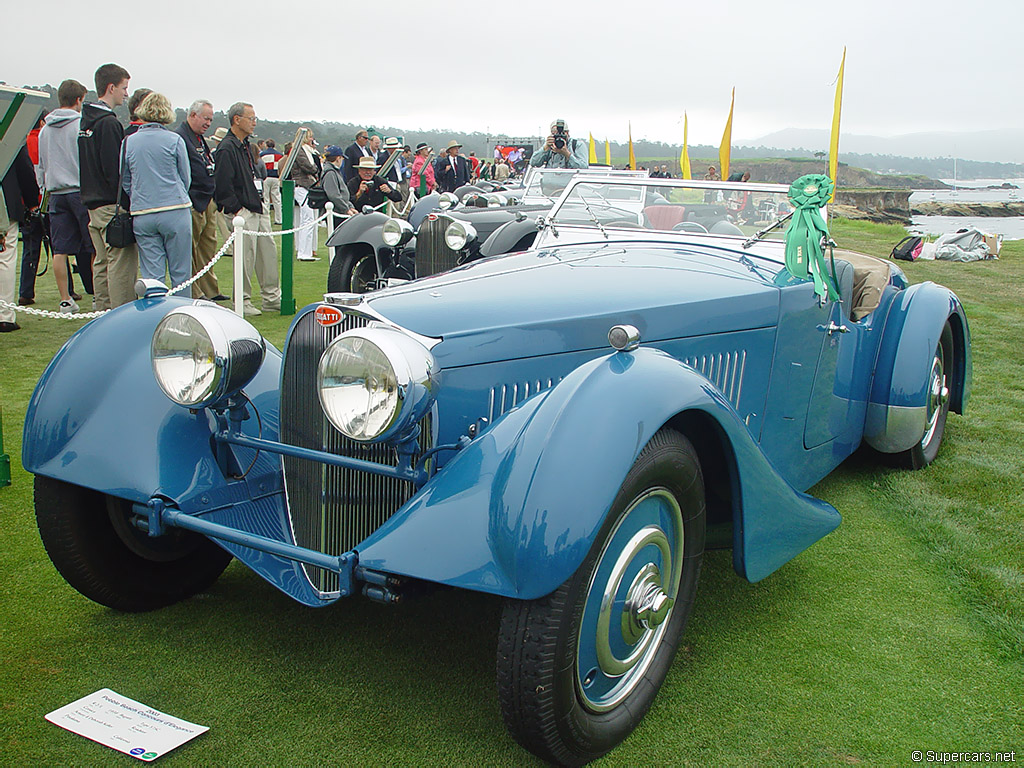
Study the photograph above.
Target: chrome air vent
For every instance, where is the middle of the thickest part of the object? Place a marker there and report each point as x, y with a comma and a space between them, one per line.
332, 509
724, 370
505, 397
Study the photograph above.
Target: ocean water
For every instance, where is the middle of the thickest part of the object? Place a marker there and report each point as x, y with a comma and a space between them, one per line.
1010, 227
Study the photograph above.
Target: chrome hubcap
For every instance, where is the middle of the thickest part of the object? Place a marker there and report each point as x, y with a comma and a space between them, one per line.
630, 599
938, 394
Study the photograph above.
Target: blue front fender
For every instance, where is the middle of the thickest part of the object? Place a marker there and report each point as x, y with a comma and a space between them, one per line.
98, 419
516, 512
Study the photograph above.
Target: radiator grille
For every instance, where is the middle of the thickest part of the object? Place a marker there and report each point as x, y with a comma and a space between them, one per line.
432, 253
331, 508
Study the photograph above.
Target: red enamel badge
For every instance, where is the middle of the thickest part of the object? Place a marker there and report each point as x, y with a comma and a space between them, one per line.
328, 316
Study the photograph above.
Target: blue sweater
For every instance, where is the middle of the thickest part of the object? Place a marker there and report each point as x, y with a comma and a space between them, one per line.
156, 172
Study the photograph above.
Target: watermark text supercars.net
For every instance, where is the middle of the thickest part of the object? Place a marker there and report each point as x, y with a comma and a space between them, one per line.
955, 758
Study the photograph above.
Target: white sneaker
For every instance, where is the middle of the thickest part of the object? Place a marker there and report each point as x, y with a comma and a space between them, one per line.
68, 307
306, 258
248, 310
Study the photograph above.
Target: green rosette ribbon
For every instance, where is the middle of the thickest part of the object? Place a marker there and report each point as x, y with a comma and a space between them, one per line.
805, 256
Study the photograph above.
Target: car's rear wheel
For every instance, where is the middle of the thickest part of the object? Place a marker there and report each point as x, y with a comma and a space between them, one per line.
937, 408
91, 539
579, 668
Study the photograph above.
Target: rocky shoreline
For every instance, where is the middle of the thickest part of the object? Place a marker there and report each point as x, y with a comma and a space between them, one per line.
947, 208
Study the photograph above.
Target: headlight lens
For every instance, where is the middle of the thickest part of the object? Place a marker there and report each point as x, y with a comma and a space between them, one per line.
458, 234
396, 232
375, 383
447, 200
203, 353
496, 200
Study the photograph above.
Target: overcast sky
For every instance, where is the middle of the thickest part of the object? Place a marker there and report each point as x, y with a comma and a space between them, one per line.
510, 68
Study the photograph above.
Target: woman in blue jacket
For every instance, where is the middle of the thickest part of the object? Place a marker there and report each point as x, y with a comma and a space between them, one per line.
157, 178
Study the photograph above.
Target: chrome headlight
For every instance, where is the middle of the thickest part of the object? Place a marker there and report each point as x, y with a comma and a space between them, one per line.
396, 232
496, 201
376, 383
448, 199
458, 234
203, 353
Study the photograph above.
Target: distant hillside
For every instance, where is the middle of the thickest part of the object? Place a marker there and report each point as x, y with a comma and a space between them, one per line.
785, 171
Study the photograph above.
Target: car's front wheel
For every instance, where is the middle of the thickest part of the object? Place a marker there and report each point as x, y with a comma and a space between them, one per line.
91, 539
579, 668
352, 272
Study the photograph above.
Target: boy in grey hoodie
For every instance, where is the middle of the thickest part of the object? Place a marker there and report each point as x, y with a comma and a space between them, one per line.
58, 168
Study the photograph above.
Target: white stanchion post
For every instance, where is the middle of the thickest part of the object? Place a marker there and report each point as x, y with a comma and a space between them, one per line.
239, 265
330, 229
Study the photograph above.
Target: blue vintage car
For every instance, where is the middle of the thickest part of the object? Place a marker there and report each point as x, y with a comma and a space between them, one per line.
567, 428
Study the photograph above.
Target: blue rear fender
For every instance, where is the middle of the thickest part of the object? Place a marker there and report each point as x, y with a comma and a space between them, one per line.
895, 419
99, 420
516, 511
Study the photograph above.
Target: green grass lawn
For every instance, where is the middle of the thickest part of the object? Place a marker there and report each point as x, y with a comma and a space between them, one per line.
903, 630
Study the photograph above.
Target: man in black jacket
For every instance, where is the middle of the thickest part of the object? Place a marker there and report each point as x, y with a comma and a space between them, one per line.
452, 169
204, 221
20, 195
355, 152
367, 188
114, 270
236, 194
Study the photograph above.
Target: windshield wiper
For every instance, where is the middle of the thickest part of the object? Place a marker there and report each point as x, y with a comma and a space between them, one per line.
757, 236
593, 217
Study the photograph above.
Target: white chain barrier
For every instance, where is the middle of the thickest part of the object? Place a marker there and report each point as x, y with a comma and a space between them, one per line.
233, 237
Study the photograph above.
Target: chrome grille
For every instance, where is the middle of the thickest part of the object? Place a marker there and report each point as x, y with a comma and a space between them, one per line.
432, 253
331, 508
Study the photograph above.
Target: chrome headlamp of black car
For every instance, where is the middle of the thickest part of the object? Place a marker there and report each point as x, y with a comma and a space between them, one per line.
495, 200
447, 200
396, 232
376, 383
202, 354
458, 234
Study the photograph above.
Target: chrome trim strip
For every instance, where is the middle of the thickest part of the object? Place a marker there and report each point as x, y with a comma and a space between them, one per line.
894, 428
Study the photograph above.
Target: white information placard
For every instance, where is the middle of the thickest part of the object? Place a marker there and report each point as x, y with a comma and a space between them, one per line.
125, 725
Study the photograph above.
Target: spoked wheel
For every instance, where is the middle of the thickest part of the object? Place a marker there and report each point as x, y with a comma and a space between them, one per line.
92, 541
937, 408
352, 272
578, 669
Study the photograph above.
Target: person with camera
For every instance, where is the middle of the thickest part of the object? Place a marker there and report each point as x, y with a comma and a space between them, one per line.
561, 151
367, 188
204, 215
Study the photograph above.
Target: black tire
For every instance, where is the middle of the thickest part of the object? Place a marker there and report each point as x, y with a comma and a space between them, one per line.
550, 705
92, 542
352, 271
939, 385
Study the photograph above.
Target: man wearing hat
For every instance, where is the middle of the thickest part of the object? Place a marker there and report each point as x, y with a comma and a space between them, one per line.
422, 179
560, 151
453, 170
396, 173
367, 188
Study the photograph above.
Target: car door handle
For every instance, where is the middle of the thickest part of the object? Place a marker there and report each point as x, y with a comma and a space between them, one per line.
833, 328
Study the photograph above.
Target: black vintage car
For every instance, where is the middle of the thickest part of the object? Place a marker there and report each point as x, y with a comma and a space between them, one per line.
373, 248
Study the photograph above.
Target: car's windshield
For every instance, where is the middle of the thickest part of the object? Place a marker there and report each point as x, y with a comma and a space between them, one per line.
740, 210
546, 184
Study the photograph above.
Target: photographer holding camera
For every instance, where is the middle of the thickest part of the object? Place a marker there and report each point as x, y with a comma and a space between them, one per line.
560, 151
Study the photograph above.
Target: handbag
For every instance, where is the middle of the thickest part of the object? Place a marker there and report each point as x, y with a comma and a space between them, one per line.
120, 232
316, 196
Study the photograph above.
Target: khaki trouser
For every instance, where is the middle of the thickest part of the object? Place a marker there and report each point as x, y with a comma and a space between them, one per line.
114, 270
272, 196
204, 246
260, 256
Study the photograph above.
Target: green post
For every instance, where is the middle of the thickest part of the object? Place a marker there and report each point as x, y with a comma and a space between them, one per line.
287, 246
5, 460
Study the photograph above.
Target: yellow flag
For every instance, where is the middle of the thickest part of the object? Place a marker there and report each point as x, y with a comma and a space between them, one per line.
607, 153
684, 156
725, 150
833, 147
632, 157
593, 151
